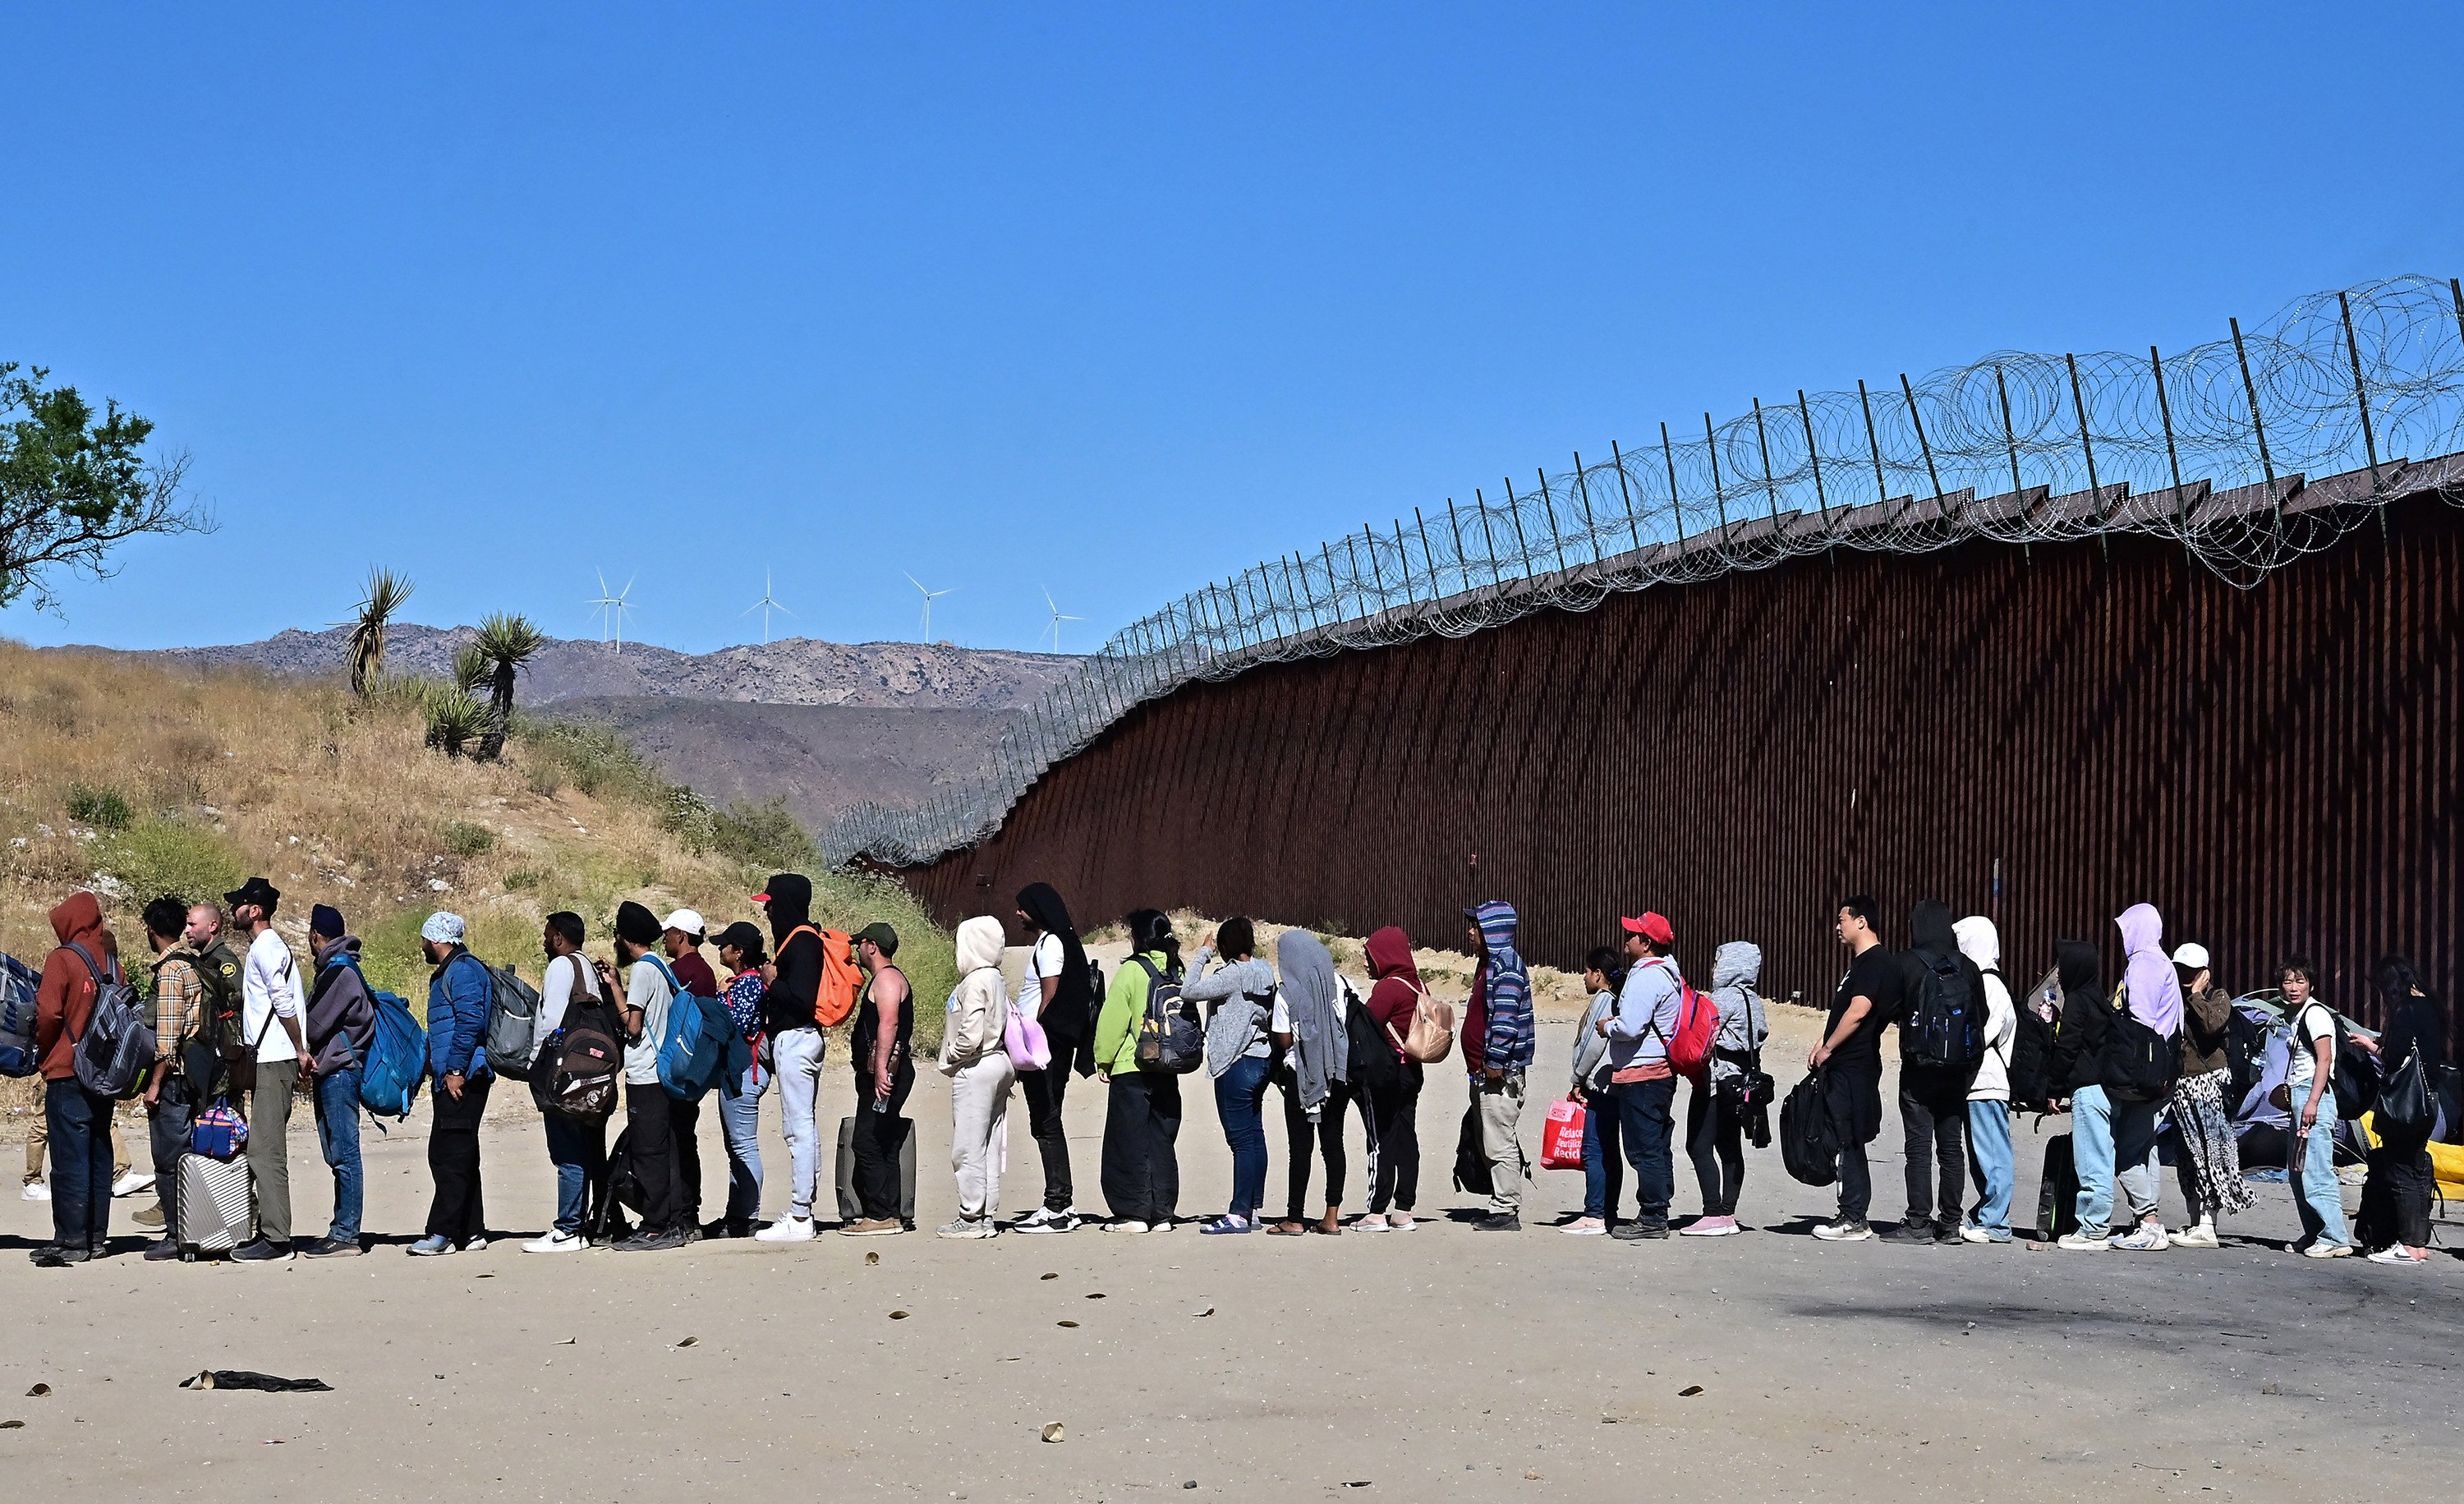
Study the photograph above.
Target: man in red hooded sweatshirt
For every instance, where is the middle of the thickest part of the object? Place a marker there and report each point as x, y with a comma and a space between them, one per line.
80, 1121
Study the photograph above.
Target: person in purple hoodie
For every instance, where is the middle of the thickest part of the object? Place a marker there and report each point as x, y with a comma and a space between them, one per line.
2114, 1139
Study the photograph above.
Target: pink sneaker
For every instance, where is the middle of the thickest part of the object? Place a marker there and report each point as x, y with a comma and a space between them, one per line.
1710, 1228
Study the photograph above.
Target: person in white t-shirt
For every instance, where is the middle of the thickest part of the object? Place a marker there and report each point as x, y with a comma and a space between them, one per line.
2310, 1096
649, 1123
271, 1018
577, 1148
1059, 991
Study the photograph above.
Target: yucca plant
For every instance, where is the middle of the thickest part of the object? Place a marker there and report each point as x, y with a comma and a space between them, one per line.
507, 641
380, 597
455, 718
471, 668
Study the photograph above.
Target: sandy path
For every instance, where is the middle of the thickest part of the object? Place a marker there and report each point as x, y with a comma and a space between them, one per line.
1445, 1363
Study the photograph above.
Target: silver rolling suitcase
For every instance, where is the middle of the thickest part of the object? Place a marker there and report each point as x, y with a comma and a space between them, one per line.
217, 1204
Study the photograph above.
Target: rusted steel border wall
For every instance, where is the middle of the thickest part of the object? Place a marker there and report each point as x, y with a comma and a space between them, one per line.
2275, 768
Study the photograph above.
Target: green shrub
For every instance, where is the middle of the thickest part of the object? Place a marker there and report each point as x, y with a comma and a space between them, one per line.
154, 857
592, 758
104, 809
523, 879
764, 835
463, 838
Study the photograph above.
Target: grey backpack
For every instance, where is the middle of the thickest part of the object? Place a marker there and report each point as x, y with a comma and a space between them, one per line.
512, 1024
117, 1047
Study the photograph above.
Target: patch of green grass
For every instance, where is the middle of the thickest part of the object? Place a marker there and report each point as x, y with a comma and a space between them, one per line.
464, 838
523, 879
155, 857
104, 809
595, 759
764, 835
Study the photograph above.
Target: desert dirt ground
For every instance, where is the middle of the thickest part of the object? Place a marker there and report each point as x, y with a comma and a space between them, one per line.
1443, 1363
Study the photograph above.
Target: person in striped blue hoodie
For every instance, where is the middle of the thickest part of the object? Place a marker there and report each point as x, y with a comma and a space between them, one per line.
1499, 1036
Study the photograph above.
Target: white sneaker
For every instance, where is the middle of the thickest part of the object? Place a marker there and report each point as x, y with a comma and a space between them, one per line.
135, 1181
2146, 1238
2328, 1250
556, 1243
1845, 1231
2084, 1243
2202, 1236
36, 1190
2396, 1253
787, 1229
1043, 1219
967, 1227
1584, 1227
1125, 1225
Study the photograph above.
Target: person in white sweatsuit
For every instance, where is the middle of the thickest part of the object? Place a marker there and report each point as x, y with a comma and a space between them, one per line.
981, 1076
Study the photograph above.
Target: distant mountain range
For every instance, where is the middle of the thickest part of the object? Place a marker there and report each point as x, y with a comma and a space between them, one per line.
823, 725
798, 671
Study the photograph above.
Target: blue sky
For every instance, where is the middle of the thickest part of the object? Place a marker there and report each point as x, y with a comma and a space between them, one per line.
1113, 300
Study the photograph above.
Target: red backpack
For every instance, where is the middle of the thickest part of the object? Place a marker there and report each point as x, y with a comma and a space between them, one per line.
1698, 1024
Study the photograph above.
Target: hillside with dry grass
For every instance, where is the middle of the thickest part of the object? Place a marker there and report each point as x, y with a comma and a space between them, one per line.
136, 778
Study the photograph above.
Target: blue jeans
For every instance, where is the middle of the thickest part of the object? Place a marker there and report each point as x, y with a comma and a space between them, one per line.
579, 1151
1645, 1121
2112, 1142
1604, 1166
1239, 1101
1991, 1165
2316, 1194
79, 1124
337, 1135
739, 1118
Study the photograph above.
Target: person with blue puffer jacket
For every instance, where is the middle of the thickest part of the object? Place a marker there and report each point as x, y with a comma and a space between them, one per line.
459, 992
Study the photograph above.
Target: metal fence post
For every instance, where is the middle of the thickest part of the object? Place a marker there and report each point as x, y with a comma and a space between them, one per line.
2258, 424
2362, 396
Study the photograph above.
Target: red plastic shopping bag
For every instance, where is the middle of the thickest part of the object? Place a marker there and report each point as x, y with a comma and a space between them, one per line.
1561, 1141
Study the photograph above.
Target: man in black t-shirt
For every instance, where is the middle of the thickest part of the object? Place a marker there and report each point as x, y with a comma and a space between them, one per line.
1850, 1058
792, 983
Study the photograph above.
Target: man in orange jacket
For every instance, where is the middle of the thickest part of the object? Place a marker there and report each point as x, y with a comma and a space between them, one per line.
78, 1121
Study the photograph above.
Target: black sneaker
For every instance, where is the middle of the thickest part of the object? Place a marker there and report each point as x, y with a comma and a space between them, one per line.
1947, 1236
261, 1251
331, 1248
51, 1255
647, 1242
161, 1250
1499, 1222
1907, 1232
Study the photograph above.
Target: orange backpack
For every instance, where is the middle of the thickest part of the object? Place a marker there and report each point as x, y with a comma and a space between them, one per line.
841, 978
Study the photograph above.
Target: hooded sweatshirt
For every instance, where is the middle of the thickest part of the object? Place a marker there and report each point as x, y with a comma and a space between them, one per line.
1313, 1004
1244, 995
341, 1014
1736, 970
1982, 945
1500, 1014
1930, 931
789, 1003
2150, 986
979, 1005
1396, 995
2081, 1032
64, 999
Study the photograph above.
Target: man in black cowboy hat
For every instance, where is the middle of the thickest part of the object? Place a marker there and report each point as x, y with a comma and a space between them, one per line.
272, 1046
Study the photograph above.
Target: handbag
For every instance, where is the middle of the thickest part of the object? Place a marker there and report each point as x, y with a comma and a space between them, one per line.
1431, 1038
1561, 1141
1024, 1041
2404, 1102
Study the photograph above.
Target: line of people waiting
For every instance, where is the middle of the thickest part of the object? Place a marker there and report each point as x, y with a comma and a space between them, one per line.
248, 1030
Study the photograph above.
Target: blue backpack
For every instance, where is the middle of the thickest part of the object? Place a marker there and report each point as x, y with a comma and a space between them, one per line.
18, 984
396, 1061
700, 1040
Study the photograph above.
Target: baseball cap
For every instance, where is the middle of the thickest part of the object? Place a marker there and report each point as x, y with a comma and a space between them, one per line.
689, 922
2193, 956
1652, 927
881, 935
742, 936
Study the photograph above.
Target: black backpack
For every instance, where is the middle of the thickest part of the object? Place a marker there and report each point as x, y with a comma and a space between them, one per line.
1170, 1037
1809, 1146
2139, 1064
1944, 1027
2031, 1050
1368, 1056
2355, 1078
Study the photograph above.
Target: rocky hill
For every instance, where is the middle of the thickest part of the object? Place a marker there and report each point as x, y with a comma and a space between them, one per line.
798, 671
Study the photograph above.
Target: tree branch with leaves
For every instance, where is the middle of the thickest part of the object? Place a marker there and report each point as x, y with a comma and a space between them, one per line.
75, 484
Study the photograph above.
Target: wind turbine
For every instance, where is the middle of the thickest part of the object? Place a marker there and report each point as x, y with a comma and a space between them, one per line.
765, 605
1053, 627
612, 610
929, 597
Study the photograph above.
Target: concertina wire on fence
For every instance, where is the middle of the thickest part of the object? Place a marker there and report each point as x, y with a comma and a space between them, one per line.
2211, 447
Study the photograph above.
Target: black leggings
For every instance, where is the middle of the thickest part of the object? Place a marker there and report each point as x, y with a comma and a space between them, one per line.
1715, 1141
1395, 1182
1328, 1132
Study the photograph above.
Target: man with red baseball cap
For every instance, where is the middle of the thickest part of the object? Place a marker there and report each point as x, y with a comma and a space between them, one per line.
1641, 1078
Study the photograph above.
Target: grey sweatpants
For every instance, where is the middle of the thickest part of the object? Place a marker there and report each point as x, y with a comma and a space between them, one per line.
979, 1132
269, 1130
1501, 1114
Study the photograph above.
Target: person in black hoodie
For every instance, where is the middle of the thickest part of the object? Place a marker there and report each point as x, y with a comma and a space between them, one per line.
2395, 1220
1059, 990
2079, 1038
1933, 1098
792, 983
